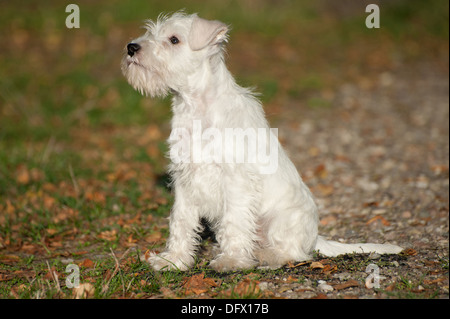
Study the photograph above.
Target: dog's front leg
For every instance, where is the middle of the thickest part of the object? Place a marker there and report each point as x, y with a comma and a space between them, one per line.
183, 238
236, 232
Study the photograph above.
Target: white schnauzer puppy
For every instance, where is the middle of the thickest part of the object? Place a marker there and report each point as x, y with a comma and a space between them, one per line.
257, 205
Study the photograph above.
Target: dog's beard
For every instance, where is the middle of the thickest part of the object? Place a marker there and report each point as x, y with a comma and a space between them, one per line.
143, 79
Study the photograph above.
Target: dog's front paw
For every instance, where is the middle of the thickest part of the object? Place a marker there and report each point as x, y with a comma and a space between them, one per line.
229, 263
170, 261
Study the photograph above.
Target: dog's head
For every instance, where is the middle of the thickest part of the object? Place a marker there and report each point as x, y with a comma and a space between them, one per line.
172, 50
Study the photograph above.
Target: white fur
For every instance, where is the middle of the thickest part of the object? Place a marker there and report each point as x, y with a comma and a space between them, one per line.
265, 218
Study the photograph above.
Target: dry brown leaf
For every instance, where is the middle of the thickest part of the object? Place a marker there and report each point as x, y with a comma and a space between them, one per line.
109, 235
22, 175
4, 277
317, 265
328, 219
325, 190
328, 269
153, 237
87, 263
347, 284
321, 171
96, 196
50, 275
380, 218
291, 279
244, 288
10, 209
410, 252
9, 258
198, 284
434, 281
83, 291
48, 201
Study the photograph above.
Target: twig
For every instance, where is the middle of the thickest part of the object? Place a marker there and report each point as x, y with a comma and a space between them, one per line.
74, 181
54, 277
116, 270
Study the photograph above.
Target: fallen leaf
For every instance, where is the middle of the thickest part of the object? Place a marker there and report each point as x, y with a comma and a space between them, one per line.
439, 169
390, 287
380, 218
9, 258
10, 209
83, 291
108, 235
291, 279
328, 269
96, 197
244, 288
410, 252
317, 265
325, 190
153, 237
434, 281
51, 231
87, 263
167, 292
198, 284
321, 171
347, 284
328, 219
4, 277
22, 175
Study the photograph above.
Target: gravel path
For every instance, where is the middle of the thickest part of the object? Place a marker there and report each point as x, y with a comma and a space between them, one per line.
377, 162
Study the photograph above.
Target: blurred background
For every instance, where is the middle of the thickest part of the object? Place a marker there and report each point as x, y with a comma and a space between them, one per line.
77, 141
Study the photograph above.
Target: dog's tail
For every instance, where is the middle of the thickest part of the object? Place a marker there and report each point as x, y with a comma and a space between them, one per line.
331, 248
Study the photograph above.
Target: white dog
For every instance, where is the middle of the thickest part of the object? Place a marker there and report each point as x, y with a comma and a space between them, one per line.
258, 214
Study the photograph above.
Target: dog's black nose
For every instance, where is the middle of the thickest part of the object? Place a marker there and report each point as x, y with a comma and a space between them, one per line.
133, 48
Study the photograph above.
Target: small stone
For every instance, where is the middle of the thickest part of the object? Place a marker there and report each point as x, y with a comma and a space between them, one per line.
263, 285
323, 286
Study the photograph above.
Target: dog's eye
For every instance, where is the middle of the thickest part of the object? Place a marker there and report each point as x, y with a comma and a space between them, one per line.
174, 40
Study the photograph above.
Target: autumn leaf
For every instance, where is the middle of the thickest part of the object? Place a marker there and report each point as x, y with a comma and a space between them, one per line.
83, 291
108, 235
328, 269
22, 175
380, 218
410, 252
9, 258
96, 196
291, 279
153, 237
87, 263
324, 190
347, 284
244, 288
317, 265
198, 284
51, 273
321, 171
328, 219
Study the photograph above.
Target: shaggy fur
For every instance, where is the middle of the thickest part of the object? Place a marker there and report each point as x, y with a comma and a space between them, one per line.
258, 218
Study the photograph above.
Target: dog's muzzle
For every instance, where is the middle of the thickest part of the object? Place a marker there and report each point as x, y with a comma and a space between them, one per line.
132, 48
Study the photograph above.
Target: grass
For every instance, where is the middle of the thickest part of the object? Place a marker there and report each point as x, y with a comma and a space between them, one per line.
82, 154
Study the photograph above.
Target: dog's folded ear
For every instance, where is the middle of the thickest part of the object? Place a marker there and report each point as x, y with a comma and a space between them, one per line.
205, 32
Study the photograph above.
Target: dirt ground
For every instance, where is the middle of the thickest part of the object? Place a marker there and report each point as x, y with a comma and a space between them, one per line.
378, 166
